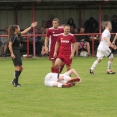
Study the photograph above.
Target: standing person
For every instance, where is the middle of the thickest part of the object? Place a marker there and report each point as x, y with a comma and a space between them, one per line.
51, 36
104, 50
64, 44
62, 80
4, 43
14, 47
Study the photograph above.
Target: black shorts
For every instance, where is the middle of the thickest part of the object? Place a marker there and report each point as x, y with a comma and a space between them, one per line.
17, 61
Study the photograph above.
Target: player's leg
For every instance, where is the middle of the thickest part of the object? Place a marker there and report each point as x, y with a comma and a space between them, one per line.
16, 76
58, 63
109, 68
18, 67
88, 47
77, 48
68, 67
61, 67
99, 58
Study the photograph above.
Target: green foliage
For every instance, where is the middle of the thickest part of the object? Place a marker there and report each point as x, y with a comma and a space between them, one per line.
96, 96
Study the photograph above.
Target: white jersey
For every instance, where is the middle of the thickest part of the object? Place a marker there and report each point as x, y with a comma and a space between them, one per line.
50, 78
104, 44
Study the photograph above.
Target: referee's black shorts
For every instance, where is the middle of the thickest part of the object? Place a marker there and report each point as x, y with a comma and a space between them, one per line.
17, 61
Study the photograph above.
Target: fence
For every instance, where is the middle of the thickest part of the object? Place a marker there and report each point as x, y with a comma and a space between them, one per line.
34, 35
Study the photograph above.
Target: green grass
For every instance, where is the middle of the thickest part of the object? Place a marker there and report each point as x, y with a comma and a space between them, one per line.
96, 96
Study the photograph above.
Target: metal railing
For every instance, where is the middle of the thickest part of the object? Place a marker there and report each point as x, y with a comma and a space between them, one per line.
35, 35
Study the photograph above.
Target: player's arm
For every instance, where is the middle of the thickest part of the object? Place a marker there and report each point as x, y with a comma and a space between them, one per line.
29, 28
73, 50
46, 44
107, 40
115, 38
73, 71
11, 50
56, 48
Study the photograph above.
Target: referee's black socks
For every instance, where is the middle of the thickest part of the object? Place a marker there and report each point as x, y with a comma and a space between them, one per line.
20, 72
16, 77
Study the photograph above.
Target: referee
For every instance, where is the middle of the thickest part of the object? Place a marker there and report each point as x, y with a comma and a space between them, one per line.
14, 37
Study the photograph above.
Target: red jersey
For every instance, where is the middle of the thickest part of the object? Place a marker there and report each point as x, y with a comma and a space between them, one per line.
52, 34
65, 42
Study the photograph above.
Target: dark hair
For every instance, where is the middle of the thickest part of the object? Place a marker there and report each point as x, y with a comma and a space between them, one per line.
11, 30
69, 21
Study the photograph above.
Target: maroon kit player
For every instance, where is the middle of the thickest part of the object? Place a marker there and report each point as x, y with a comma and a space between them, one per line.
66, 43
51, 37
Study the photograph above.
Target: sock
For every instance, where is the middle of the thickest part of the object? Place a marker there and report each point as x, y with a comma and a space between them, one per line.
54, 70
109, 65
61, 68
94, 65
16, 77
59, 85
20, 72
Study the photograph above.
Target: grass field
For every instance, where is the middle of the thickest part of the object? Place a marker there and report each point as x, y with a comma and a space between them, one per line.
96, 96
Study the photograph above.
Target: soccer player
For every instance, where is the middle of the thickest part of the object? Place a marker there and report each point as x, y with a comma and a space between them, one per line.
14, 47
61, 80
51, 36
64, 43
104, 50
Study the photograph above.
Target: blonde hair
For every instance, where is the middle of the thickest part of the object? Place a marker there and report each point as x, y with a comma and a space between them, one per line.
106, 24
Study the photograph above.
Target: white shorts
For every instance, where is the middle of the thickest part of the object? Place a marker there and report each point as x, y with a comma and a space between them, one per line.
50, 79
106, 53
66, 77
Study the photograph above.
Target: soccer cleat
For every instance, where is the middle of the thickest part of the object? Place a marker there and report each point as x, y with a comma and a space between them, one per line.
17, 85
111, 72
91, 72
74, 80
12, 82
67, 85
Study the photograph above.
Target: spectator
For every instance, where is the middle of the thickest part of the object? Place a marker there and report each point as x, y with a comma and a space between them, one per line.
44, 24
71, 29
41, 40
71, 22
114, 24
49, 22
105, 19
37, 42
4, 43
43, 52
82, 43
91, 25
76, 32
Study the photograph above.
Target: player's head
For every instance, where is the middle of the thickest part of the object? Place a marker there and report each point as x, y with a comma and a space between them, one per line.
66, 29
107, 25
55, 23
13, 29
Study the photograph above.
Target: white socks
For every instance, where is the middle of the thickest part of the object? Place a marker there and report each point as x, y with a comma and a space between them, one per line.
109, 65
94, 65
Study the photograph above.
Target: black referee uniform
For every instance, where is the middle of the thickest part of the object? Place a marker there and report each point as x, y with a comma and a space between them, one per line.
15, 39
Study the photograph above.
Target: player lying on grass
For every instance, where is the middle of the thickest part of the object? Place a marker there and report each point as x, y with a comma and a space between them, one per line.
104, 50
62, 80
